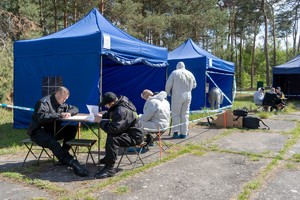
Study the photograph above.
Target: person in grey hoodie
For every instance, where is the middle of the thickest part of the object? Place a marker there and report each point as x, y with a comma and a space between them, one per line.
156, 112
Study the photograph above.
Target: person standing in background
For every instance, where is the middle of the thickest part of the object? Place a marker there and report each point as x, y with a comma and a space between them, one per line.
179, 85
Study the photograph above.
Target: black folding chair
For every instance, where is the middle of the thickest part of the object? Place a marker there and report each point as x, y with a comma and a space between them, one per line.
29, 145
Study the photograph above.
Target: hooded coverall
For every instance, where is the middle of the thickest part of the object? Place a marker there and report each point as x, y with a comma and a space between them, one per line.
179, 85
215, 98
156, 112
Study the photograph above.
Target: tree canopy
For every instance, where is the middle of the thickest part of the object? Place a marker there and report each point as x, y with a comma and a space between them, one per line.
255, 35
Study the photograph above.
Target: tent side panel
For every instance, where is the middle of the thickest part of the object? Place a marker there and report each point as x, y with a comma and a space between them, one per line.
289, 83
131, 80
79, 73
197, 66
225, 83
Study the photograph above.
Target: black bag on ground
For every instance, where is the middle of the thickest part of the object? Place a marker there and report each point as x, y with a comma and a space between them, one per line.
252, 122
240, 113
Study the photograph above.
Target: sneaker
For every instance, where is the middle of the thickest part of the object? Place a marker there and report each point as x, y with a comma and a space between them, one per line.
182, 136
175, 135
105, 172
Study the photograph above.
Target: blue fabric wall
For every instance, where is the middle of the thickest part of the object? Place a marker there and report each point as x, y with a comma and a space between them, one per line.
80, 74
197, 67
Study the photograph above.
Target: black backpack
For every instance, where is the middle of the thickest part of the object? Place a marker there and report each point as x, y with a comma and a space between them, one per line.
252, 122
239, 113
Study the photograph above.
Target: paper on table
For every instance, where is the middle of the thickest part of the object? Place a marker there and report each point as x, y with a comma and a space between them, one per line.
93, 110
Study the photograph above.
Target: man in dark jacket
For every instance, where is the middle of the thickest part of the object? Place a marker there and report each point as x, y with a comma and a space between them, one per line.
47, 112
123, 128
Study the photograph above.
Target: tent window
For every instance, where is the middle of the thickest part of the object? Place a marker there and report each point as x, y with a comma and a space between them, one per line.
50, 84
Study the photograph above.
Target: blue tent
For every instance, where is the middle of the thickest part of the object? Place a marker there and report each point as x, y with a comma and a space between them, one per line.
287, 76
209, 71
90, 58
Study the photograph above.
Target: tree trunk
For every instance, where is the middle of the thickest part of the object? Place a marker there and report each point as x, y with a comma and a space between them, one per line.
266, 43
65, 14
274, 38
74, 11
253, 58
295, 32
298, 49
240, 61
42, 20
101, 6
55, 16
286, 48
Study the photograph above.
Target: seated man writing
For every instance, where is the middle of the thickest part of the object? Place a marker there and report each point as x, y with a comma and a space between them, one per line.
41, 129
156, 112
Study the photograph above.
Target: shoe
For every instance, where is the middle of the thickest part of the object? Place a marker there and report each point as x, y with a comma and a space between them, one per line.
175, 135
149, 140
77, 168
61, 163
105, 172
151, 144
103, 161
182, 136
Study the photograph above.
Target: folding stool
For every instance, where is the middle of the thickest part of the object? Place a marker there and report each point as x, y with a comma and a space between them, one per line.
137, 152
82, 143
158, 140
29, 145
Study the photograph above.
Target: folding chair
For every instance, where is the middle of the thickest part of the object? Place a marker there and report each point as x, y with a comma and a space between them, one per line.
138, 149
29, 145
156, 136
158, 139
82, 143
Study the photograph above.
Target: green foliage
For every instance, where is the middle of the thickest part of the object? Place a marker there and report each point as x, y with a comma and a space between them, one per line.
218, 29
6, 72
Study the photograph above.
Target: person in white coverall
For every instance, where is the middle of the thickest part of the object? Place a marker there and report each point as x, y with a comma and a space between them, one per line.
156, 112
258, 96
215, 98
179, 85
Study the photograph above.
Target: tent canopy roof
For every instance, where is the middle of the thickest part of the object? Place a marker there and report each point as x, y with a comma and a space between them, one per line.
291, 67
190, 50
94, 34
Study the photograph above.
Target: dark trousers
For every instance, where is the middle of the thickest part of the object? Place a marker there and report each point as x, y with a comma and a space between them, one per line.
113, 142
45, 138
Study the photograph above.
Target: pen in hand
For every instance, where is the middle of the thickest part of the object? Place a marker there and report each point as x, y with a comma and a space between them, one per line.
65, 115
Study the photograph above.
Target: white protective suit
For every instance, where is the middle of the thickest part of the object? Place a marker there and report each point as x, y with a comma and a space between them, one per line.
258, 97
179, 85
215, 98
156, 112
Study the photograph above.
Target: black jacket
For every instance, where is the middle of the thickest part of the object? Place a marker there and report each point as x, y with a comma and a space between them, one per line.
123, 118
46, 111
271, 99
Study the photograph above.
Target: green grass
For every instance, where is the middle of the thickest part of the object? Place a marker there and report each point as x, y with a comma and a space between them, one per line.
10, 138
122, 189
